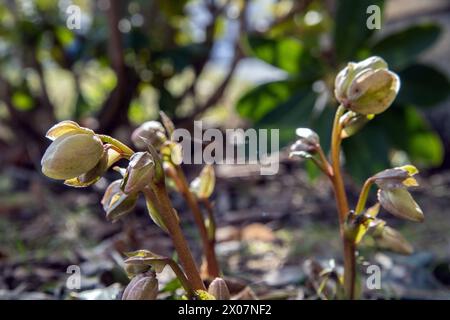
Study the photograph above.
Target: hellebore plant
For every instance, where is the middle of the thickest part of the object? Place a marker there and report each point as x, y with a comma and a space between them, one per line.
80, 157
363, 89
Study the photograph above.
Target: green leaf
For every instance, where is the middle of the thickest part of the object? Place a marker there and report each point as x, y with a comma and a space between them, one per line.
423, 86
284, 105
350, 31
408, 131
259, 101
288, 54
401, 49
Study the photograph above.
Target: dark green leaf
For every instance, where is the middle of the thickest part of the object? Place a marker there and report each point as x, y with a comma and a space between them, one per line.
423, 86
401, 48
288, 54
350, 32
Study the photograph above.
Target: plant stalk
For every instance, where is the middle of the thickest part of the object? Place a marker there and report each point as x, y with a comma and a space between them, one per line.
342, 204
212, 266
180, 243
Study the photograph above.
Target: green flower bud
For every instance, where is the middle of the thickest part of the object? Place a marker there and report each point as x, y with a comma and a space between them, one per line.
367, 87
400, 203
139, 174
307, 144
149, 132
398, 177
116, 203
389, 238
144, 286
203, 185
219, 289
71, 155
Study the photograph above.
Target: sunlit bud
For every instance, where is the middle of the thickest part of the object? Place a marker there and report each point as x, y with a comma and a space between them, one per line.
306, 145
389, 238
398, 177
400, 203
139, 174
153, 207
116, 203
152, 131
71, 155
203, 185
172, 152
367, 87
144, 286
146, 258
219, 289
352, 122
64, 127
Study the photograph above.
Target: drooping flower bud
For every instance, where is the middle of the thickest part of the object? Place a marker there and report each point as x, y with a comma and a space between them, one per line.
144, 286
307, 143
389, 238
116, 203
393, 194
219, 289
367, 87
139, 174
149, 132
71, 155
400, 203
203, 185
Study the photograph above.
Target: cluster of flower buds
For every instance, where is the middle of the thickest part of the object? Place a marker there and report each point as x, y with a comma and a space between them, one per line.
367, 87
394, 197
77, 155
307, 144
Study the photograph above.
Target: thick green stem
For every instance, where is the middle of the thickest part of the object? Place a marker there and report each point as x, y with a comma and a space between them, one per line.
342, 204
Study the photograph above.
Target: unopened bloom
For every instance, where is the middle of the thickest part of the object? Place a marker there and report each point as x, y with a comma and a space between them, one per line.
393, 194
389, 238
307, 144
116, 203
219, 289
367, 87
143, 286
203, 185
74, 151
149, 132
139, 174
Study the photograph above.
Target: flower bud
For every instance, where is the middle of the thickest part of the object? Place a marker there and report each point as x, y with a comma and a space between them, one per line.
144, 286
306, 145
203, 185
71, 155
139, 174
367, 87
389, 238
398, 177
219, 289
149, 132
400, 203
116, 203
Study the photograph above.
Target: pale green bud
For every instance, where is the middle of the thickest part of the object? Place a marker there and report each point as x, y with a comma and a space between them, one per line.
151, 132
367, 87
219, 289
389, 238
400, 203
71, 155
144, 286
116, 203
139, 174
203, 185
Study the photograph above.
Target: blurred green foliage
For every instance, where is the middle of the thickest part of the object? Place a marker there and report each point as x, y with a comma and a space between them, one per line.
305, 98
